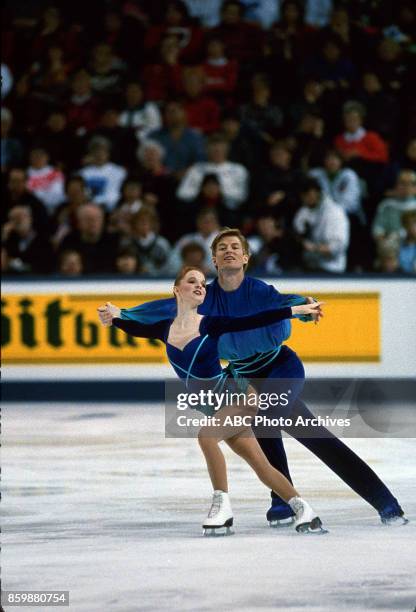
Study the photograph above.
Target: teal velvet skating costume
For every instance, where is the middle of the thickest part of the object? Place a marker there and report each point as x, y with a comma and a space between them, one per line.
198, 363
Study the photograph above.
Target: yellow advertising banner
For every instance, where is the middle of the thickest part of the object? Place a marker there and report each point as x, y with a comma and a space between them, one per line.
44, 329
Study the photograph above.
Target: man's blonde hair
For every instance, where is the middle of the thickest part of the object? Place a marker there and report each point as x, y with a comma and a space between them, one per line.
229, 231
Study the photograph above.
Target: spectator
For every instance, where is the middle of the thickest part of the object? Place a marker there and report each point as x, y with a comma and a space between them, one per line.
339, 183
356, 141
107, 71
407, 252
210, 197
129, 204
343, 186
387, 260
82, 108
70, 263
44, 181
331, 66
28, 251
183, 146
65, 217
383, 110
96, 246
288, 43
309, 142
390, 65
123, 141
137, 114
154, 250
58, 139
241, 39
245, 145
163, 79
387, 222
233, 177
207, 227
193, 254
274, 249
177, 23
17, 194
49, 77
276, 183
323, 230
202, 111
127, 261
11, 148
364, 151
260, 114
158, 186
220, 72
102, 176
311, 101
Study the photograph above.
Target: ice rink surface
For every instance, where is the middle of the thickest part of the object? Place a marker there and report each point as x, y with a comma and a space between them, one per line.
97, 502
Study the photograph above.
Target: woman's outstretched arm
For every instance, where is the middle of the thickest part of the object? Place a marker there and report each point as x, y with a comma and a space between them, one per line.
216, 326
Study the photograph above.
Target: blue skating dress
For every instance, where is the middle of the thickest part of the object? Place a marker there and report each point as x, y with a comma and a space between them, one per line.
198, 363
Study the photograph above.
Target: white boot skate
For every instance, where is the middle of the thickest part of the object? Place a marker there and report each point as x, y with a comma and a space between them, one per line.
306, 519
220, 516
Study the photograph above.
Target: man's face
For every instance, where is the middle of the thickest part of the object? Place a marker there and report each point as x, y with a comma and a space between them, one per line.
406, 185
134, 94
91, 221
206, 224
332, 163
100, 155
174, 115
217, 152
311, 198
229, 254
38, 159
352, 121
21, 219
17, 182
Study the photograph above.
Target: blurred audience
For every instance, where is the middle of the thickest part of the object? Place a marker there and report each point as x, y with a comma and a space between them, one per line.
323, 230
162, 109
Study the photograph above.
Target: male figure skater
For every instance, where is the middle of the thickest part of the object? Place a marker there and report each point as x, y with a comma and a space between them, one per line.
259, 354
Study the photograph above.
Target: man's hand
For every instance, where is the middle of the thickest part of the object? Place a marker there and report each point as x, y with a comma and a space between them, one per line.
316, 317
107, 313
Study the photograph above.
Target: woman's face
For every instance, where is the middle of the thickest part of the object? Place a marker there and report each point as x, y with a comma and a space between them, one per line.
192, 288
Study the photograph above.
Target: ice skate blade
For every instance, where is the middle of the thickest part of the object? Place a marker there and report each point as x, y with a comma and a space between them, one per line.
396, 521
313, 528
217, 532
281, 523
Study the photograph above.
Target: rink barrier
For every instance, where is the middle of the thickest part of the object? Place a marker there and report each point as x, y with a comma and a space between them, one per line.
368, 327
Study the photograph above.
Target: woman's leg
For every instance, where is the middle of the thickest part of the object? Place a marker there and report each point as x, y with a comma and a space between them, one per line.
249, 449
214, 457
209, 438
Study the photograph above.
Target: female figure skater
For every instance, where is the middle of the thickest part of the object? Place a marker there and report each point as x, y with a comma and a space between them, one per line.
192, 348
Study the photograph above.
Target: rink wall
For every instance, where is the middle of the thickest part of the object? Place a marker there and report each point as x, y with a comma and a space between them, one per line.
50, 331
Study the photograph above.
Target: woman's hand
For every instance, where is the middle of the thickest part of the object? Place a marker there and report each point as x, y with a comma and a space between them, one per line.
313, 308
107, 313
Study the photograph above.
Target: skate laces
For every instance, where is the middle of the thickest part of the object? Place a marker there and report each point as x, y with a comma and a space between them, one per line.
216, 505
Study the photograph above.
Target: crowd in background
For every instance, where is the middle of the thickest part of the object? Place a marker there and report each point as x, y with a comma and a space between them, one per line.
132, 131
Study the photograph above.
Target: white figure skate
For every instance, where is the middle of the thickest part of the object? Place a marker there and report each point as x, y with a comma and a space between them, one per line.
220, 516
306, 520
